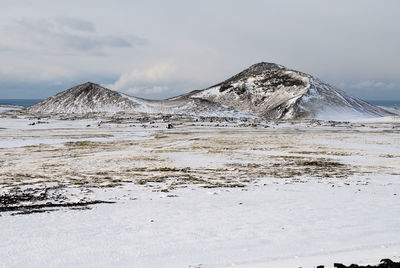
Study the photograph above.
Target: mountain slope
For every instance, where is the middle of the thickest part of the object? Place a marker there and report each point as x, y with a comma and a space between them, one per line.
273, 91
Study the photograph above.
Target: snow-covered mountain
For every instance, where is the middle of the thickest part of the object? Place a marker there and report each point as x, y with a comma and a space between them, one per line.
84, 98
265, 90
93, 98
273, 91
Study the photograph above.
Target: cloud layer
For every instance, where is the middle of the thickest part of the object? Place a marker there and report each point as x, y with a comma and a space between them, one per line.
128, 43
373, 84
65, 35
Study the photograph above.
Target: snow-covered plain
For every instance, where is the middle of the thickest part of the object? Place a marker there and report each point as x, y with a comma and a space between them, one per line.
207, 193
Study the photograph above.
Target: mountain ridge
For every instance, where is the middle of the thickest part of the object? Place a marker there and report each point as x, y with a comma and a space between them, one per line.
266, 90
90, 97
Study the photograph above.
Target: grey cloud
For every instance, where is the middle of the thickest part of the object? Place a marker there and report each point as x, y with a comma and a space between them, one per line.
71, 34
373, 89
85, 43
77, 24
373, 84
12, 87
54, 25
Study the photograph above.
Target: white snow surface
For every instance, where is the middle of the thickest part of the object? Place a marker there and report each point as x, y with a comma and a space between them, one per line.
269, 223
265, 226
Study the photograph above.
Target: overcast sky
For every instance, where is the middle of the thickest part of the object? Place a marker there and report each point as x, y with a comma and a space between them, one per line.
159, 49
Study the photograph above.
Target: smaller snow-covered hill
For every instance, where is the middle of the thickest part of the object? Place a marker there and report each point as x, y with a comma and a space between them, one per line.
84, 98
93, 98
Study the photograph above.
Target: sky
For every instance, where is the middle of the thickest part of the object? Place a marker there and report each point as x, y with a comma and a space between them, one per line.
159, 49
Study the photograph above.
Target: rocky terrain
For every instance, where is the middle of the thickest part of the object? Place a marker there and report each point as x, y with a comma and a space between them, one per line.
265, 90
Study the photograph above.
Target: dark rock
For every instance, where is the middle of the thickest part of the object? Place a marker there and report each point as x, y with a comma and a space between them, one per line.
385, 263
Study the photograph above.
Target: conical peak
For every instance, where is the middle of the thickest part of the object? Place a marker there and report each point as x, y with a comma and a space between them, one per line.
256, 69
87, 90
262, 66
89, 86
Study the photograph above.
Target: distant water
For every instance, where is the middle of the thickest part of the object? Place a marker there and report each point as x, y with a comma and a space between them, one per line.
20, 102
386, 103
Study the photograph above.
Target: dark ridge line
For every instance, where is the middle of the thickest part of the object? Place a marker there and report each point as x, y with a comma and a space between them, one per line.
52, 205
385, 263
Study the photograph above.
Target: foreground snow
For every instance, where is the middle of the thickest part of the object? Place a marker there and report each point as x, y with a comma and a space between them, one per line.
264, 226
203, 194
